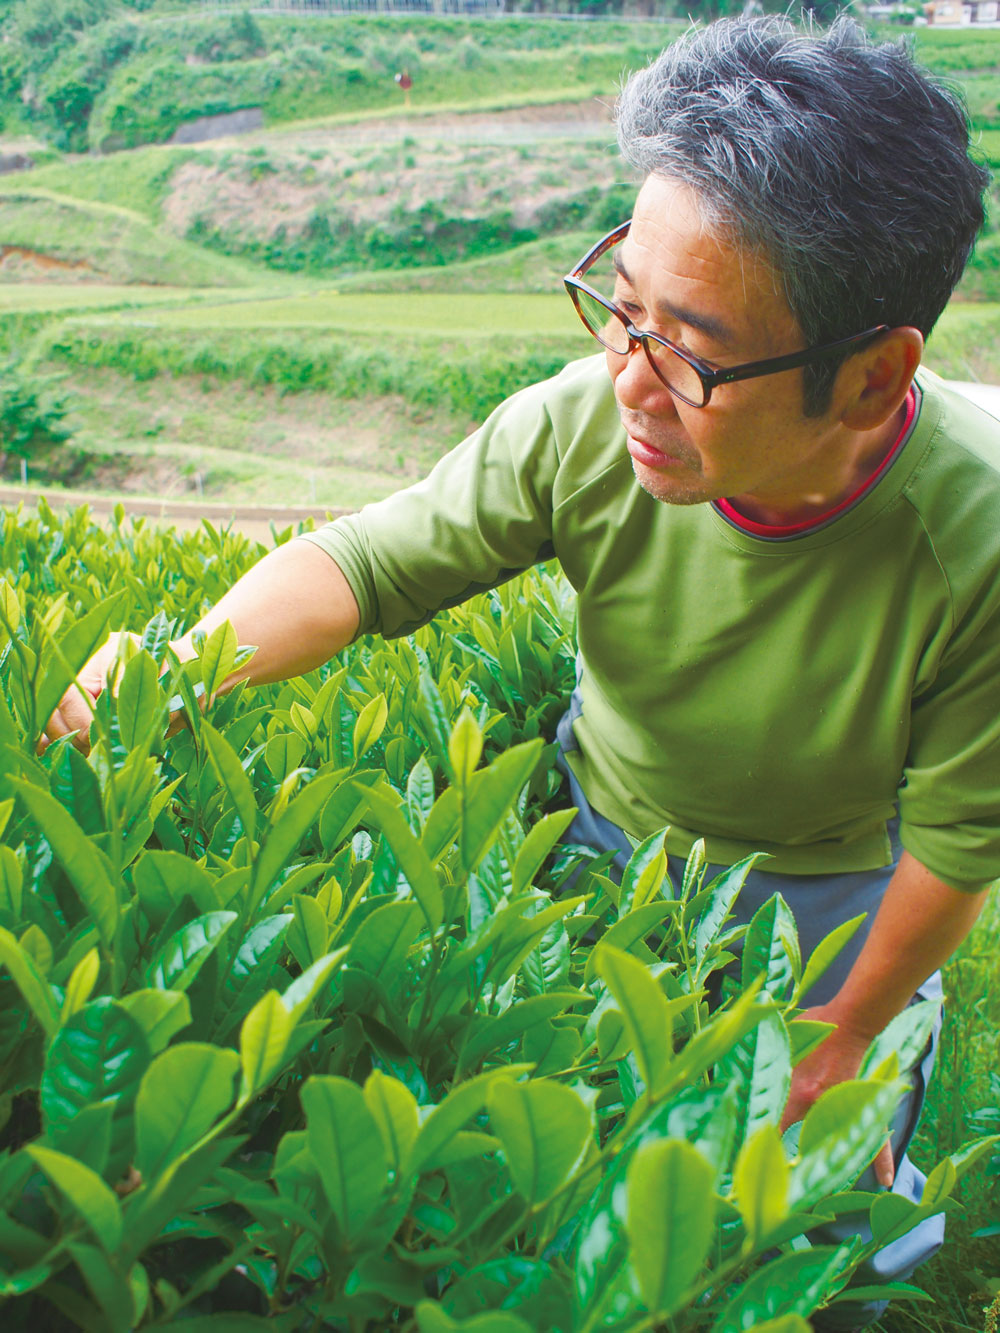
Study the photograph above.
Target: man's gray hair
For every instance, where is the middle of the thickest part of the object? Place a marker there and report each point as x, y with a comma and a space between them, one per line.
839, 158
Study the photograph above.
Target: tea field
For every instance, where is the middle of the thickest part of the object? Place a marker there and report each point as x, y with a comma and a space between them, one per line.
311, 1019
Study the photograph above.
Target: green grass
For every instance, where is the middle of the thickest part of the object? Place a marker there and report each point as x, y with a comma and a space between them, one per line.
241, 444
956, 50
62, 297
537, 266
959, 1278
433, 315
965, 345
137, 180
988, 143
110, 242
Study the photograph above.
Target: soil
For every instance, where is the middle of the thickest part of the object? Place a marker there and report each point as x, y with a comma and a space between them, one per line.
24, 264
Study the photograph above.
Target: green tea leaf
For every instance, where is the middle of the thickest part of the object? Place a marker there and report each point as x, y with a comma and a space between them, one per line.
394, 1109
347, 1149
70, 652
462, 1102
218, 657
906, 1037
112, 1292
840, 1136
771, 949
760, 1181
539, 842
142, 712
647, 1013
163, 880
170, 1194
86, 868
824, 954
465, 747
84, 1190
252, 971
419, 794
413, 860
370, 725
183, 1093
178, 962
11, 882
759, 1067
431, 1318
644, 874
99, 1055
671, 1221
694, 870
489, 796
36, 991
283, 754
285, 835
308, 933
81, 983
545, 1129
160, 1013
74, 784
794, 1284
234, 780
304, 989
492, 1032
383, 940
264, 1038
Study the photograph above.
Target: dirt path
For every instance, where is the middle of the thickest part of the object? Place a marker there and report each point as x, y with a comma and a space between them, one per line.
586, 119
254, 521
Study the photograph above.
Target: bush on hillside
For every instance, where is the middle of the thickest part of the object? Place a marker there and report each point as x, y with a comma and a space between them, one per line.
31, 410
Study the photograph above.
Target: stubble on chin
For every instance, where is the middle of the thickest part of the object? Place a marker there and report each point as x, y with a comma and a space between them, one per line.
670, 490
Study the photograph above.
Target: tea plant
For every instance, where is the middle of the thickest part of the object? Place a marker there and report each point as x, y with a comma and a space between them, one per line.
310, 1019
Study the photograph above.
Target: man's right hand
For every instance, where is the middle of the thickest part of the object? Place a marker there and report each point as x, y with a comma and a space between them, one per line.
294, 606
76, 707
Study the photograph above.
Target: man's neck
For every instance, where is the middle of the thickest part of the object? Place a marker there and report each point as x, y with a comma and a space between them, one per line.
859, 456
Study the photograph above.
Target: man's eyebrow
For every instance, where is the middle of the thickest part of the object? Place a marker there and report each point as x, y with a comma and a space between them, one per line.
707, 324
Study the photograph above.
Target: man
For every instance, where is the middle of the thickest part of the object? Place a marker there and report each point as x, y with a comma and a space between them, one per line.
789, 629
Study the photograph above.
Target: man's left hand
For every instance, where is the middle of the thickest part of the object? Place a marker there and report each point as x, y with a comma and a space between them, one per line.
835, 1061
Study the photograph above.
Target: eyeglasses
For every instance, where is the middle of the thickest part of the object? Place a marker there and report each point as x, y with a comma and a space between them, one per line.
686, 376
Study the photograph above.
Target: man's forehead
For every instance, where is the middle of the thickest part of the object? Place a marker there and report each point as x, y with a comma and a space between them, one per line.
676, 236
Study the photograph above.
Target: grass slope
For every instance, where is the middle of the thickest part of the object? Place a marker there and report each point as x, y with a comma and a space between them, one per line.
107, 242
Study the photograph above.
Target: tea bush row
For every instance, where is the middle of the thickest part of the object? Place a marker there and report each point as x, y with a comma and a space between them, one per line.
308, 1017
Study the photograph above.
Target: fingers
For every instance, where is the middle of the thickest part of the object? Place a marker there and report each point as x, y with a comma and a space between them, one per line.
885, 1170
73, 714
76, 707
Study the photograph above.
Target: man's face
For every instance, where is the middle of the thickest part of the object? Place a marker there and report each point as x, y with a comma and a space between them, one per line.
752, 442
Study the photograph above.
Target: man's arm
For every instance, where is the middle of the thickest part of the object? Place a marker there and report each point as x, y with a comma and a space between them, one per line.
919, 925
295, 606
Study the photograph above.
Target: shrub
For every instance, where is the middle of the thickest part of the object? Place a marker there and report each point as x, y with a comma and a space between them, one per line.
31, 410
302, 1022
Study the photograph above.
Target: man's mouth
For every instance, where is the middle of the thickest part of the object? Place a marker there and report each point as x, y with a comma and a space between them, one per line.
648, 455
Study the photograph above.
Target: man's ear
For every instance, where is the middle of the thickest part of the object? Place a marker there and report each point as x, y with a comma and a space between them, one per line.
873, 384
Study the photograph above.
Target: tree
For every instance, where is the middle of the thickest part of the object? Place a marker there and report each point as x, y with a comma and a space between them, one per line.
31, 411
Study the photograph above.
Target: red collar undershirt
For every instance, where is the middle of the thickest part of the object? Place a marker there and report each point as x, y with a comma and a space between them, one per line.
794, 529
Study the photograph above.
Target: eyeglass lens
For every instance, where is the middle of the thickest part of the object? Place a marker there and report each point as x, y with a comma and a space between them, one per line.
605, 280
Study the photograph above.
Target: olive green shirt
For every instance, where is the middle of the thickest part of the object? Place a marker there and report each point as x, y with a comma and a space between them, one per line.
776, 695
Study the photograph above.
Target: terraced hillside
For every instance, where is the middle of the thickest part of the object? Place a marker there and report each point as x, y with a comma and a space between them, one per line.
281, 314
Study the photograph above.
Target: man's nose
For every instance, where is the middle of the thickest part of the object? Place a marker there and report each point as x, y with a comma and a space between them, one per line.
637, 385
